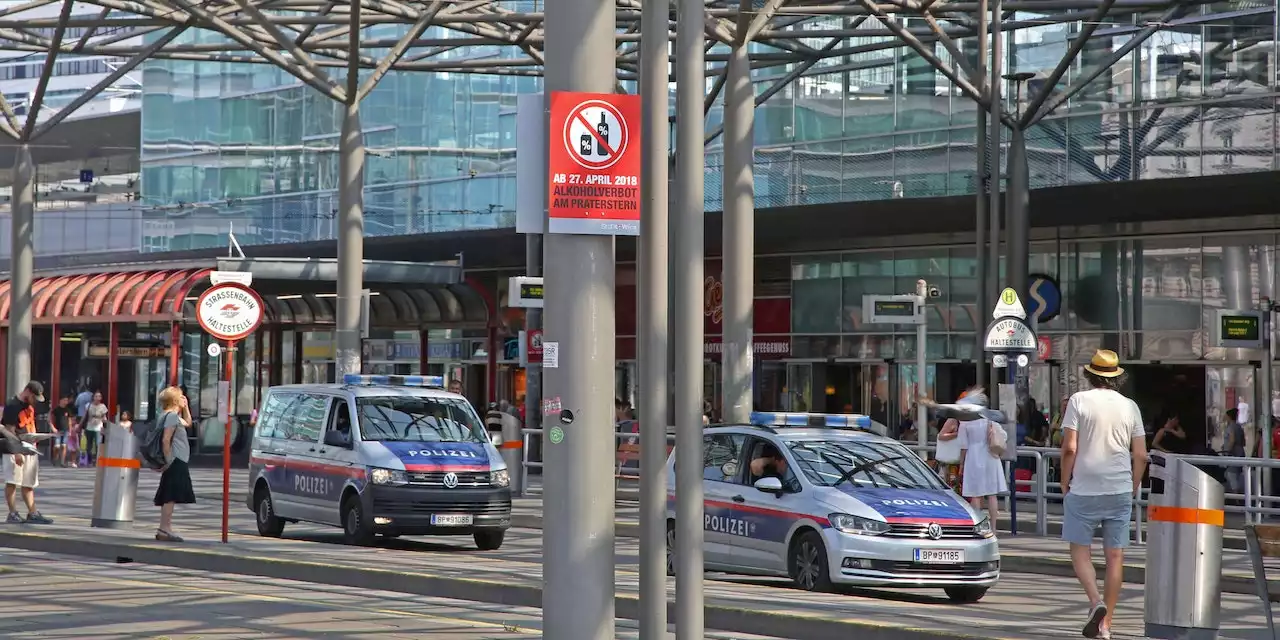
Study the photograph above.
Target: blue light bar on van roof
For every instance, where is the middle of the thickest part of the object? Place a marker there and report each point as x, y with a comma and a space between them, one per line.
831, 420
360, 380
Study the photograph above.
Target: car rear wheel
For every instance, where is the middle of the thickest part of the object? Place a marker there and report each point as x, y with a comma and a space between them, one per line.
269, 526
671, 547
965, 595
808, 563
489, 540
356, 528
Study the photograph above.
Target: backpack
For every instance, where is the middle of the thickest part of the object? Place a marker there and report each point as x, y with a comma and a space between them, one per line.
151, 453
997, 439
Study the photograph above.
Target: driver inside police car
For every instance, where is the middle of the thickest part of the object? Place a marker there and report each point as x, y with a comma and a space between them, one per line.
769, 464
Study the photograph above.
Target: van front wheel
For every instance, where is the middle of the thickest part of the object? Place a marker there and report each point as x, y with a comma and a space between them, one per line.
356, 526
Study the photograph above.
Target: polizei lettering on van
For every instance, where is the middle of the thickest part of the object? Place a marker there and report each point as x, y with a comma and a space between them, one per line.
725, 524
909, 502
442, 453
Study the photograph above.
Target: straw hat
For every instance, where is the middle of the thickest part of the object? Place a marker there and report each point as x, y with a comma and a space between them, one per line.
1105, 363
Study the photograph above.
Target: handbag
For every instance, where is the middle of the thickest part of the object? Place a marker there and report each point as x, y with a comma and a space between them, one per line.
948, 451
997, 439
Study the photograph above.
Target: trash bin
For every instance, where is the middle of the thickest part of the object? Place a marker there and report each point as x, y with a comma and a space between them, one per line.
512, 449
1184, 552
116, 489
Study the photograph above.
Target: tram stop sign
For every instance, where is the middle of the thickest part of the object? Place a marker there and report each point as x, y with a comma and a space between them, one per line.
229, 311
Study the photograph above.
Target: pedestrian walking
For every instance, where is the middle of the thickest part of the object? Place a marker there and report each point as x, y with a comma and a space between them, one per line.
22, 472
982, 470
95, 416
1104, 455
175, 479
60, 420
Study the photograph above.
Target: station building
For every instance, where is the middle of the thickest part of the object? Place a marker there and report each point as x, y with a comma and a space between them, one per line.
1153, 206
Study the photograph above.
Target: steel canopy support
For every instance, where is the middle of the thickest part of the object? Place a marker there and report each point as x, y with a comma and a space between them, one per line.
1051, 82
351, 153
37, 99
1016, 213
21, 268
914, 44
993, 162
981, 178
738, 272
401, 47
578, 479
687, 300
654, 343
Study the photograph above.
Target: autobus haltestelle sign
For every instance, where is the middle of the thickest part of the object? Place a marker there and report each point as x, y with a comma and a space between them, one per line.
229, 311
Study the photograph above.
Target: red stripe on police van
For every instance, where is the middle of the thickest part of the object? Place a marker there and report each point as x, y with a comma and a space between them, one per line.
445, 467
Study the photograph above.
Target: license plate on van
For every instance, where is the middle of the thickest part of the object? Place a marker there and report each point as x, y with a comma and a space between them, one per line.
939, 556
462, 520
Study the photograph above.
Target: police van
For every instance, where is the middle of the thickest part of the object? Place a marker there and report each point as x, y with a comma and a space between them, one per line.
826, 500
390, 455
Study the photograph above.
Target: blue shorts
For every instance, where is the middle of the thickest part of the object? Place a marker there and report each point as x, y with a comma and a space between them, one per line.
1082, 515
60, 440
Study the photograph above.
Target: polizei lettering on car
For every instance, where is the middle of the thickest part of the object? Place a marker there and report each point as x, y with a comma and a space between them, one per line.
725, 524
912, 502
442, 453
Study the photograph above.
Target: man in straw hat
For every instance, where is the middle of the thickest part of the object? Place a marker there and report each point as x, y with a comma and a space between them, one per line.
1104, 455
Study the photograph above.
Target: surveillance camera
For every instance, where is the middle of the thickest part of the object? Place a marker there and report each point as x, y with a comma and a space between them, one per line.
935, 292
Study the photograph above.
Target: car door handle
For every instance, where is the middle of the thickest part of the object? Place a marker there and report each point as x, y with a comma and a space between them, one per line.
739, 499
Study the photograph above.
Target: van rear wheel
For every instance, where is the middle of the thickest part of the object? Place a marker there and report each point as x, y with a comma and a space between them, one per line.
269, 526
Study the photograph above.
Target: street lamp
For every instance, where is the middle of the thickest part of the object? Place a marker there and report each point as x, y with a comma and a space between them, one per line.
1021, 79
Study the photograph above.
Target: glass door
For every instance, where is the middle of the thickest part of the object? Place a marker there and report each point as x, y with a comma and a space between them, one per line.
798, 392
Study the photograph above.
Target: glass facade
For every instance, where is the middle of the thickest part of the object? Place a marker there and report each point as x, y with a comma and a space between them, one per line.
245, 145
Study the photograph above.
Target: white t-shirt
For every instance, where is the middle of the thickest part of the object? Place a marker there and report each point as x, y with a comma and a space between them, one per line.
1106, 423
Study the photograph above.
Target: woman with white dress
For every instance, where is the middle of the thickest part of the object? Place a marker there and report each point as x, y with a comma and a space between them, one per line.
983, 475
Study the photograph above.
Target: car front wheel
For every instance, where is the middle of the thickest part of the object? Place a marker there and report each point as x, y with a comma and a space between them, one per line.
808, 563
965, 595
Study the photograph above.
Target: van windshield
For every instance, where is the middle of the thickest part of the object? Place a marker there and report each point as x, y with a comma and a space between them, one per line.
418, 419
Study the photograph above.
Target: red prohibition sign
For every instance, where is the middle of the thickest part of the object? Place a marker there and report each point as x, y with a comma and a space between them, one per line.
595, 135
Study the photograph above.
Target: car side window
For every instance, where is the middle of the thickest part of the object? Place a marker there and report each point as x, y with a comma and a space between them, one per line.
765, 459
721, 453
305, 418
269, 419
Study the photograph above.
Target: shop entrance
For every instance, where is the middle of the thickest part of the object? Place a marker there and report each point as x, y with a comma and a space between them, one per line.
1165, 390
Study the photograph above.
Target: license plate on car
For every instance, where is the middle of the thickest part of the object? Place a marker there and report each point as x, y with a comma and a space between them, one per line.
451, 520
939, 556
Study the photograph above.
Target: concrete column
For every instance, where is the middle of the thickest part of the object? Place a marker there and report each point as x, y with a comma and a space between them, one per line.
739, 230
1017, 235
578, 542
22, 265
653, 398
687, 264
350, 241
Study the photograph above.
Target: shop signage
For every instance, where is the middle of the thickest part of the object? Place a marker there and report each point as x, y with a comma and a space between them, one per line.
131, 349
593, 164
229, 311
1044, 297
774, 347
1010, 335
1240, 329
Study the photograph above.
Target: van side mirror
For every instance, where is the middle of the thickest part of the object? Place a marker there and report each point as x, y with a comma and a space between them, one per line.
769, 485
336, 439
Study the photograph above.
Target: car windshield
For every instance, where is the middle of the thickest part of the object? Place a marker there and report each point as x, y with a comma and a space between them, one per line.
418, 419
864, 464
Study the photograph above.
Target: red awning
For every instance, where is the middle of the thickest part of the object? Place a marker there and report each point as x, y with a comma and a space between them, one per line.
99, 298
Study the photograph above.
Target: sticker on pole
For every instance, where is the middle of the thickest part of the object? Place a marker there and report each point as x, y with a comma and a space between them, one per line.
1010, 335
557, 435
214, 350
593, 164
229, 311
551, 355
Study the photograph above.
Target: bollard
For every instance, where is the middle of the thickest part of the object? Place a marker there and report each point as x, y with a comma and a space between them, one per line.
116, 489
1184, 553
512, 448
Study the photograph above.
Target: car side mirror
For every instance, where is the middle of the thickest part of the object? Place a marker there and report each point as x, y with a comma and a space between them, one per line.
769, 485
335, 439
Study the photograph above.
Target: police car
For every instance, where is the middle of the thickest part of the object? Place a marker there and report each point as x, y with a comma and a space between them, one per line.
390, 455
826, 500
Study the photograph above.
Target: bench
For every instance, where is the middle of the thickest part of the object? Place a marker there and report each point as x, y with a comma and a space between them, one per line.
1264, 542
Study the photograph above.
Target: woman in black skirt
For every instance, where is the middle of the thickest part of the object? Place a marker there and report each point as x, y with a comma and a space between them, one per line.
175, 483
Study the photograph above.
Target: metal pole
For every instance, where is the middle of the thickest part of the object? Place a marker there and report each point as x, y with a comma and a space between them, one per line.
228, 358
653, 399
578, 539
350, 216
687, 315
922, 348
533, 373
1017, 236
739, 227
980, 214
993, 161
1264, 401
22, 265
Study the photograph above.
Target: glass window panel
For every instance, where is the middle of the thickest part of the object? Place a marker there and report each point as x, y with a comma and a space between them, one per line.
815, 291
865, 273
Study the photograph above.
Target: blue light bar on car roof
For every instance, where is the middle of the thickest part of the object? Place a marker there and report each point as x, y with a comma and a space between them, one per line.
793, 419
357, 379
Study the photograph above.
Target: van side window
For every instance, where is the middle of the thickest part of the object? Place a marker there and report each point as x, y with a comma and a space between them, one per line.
305, 418
340, 419
269, 418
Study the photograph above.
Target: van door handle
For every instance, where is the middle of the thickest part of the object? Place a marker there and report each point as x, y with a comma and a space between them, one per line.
739, 499
312, 450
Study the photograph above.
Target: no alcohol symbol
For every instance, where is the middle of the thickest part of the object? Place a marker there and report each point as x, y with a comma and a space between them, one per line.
596, 135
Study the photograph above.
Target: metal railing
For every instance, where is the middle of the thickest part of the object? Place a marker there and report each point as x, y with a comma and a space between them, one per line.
1038, 490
